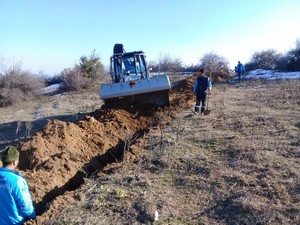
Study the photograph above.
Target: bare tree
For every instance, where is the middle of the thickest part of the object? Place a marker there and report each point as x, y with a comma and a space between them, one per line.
264, 60
166, 64
293, 58
216, 65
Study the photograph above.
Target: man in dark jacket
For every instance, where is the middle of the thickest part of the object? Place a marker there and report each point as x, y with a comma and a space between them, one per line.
201, 89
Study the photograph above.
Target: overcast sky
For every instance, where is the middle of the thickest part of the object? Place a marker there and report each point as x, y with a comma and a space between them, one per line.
50, 35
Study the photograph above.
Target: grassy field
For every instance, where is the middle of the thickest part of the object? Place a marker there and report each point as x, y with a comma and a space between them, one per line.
237, 165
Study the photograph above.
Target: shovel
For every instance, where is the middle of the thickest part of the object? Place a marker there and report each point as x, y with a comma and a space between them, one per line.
207, 111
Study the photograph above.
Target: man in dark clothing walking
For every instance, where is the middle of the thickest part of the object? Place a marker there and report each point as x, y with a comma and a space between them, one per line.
201, 89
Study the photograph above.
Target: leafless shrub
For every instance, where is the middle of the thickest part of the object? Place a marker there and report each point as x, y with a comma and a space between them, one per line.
56, 79
166, 63
267, 59
74, 79
89, 71
17, 85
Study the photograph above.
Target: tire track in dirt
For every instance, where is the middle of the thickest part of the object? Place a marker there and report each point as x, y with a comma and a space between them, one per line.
56, 160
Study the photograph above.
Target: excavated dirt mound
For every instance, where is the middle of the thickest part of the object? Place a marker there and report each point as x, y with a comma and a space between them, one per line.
56, 160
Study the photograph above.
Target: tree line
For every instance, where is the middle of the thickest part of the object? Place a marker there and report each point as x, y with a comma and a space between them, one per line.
17, 85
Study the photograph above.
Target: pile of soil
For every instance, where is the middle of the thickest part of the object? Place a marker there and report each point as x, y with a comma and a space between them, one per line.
56, 160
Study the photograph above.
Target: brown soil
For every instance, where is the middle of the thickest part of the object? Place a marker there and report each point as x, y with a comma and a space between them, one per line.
56, 160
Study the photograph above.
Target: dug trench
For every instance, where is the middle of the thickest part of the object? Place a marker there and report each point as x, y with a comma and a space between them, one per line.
57, 160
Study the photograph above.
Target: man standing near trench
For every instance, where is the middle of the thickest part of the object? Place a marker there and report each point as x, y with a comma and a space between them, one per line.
16, 205
201, 89
240, 69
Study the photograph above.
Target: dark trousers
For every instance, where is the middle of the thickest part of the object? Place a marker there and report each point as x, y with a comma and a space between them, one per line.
239, 75
200, 98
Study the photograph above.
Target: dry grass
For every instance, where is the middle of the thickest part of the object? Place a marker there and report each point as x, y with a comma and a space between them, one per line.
238, 165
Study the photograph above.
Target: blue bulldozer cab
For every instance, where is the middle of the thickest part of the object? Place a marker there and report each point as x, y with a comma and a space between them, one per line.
128, 66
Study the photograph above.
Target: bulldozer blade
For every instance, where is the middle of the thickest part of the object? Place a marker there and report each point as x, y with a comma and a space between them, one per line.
144, 91
135, 87
158, 98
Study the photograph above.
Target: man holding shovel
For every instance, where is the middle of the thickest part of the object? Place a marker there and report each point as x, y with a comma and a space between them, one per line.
202, 88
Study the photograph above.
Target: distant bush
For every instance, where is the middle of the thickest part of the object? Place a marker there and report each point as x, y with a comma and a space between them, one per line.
271, 60
166, 64
56, 79
282, 63
17, 85
83, 75
293, 58
91, 66
74, 80
267, 60
191, 68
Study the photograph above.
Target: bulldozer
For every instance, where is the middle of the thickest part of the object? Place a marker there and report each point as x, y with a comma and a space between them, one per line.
131, 80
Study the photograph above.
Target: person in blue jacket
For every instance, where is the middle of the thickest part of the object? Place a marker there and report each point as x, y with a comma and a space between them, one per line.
239, 69
201, 89
16, 205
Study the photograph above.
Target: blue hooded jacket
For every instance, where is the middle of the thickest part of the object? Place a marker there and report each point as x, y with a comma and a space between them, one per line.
16, 204
240, 68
